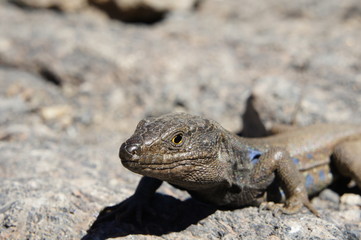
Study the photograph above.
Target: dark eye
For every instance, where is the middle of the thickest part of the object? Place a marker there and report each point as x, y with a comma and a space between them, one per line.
177, 139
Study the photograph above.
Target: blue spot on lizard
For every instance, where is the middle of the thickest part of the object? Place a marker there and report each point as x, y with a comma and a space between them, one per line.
296, 161
254, 155
322, 175
309, 181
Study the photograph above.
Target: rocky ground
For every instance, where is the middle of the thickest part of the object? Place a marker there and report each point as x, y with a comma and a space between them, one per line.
76, 77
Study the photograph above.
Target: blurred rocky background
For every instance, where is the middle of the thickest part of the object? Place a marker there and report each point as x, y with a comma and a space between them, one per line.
77, 75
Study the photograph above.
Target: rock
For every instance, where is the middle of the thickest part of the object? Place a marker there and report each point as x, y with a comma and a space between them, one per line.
63, 5
276, 94
141, 11
63, 114
73, 86
351, 199
159, 5
329, 195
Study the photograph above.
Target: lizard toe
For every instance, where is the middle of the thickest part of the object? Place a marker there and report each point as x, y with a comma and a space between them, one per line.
276, 208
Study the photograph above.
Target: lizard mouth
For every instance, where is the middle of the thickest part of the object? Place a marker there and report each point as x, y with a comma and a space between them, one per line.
165, 162
157, 166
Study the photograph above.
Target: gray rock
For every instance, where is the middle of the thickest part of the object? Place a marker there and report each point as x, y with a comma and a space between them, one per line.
63, 5
98, 77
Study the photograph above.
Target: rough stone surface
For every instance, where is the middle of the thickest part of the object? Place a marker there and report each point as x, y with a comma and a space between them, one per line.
74, 85
160, 5
63, 5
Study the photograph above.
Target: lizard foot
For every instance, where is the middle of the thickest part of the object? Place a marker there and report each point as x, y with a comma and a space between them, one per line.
280, 208
296, 202
276, 208
292, 206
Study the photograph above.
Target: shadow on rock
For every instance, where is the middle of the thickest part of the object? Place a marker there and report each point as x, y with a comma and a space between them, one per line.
252, 123
171, 215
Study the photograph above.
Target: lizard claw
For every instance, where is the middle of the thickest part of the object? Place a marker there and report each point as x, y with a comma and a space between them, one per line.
264, 206
296, 202
276, 208
292, 205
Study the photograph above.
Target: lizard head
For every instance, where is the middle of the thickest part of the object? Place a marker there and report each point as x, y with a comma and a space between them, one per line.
179, 148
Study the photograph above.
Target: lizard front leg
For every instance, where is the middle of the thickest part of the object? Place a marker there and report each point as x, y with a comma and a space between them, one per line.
278, 161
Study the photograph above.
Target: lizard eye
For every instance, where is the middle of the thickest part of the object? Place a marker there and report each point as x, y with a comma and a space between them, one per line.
177, 139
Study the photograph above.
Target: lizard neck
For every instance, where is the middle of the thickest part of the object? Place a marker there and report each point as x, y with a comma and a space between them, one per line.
236, 156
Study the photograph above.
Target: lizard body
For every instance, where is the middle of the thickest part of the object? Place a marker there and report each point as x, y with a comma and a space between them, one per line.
221, 168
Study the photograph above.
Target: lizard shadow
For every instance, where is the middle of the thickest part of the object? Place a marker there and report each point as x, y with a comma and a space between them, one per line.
171, 215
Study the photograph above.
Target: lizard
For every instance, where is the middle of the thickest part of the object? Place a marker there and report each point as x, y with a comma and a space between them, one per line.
215, 166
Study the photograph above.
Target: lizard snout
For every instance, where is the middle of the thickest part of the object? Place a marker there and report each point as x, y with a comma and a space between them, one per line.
127, 151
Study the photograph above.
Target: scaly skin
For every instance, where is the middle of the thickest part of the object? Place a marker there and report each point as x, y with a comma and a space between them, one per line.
218, 167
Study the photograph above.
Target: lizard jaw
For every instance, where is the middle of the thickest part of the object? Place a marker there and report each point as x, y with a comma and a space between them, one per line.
181, 172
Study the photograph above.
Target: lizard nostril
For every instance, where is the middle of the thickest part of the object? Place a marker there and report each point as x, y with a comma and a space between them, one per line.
127, 151
132, 149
